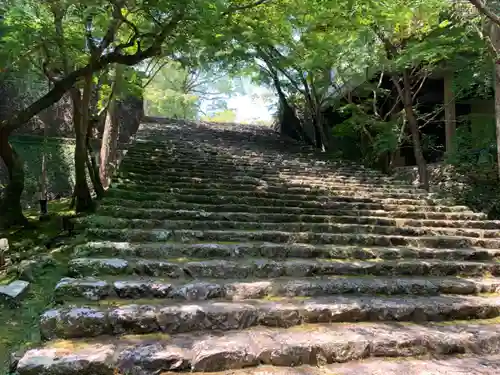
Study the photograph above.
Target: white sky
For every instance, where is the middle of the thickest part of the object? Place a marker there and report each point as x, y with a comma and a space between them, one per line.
251, 102
256, 104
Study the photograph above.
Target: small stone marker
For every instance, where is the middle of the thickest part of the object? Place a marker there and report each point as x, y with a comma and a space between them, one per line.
4, 249
14, 291
4, 244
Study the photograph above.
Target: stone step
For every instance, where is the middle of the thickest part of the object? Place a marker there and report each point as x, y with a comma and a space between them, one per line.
308, 181
230, 168
173, 318
465, 220
264, 268
361, 239
155, 250
273, 177
463, 365
261, 185
330, 209
214, 174
312, 344
250, 153
262, 193
195, 157
258, 201
364, 227
151, 288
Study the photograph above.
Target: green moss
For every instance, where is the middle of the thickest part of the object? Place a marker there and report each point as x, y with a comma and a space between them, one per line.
19, 326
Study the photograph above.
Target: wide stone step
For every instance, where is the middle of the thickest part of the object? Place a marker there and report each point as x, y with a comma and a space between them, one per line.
173, 318
152, 288
230, 168
277, 202
124, 208
261, 185
302, 208
155, 250
191, 159
265, 268
361, 239
249, 153
221, 177
140, 173
237, 179
314, 344
263, 193
464, 365
366, 226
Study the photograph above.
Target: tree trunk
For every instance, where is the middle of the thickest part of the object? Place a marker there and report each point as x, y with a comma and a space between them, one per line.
83, 199
415, 132
495, 40
93, 167
110, 135
449, 111
497, 112
10, 206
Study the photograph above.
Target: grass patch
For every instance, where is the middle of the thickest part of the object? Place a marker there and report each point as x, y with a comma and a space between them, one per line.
19, 325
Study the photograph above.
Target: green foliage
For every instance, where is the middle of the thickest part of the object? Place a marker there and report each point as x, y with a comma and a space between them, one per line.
224, 116
59, 153
178, 91
364, 137
474, 174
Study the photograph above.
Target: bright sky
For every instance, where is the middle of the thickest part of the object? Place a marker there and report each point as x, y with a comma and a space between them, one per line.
252, 103
248, 108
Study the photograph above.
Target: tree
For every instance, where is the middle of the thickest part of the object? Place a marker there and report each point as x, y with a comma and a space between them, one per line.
492, 36
115, 32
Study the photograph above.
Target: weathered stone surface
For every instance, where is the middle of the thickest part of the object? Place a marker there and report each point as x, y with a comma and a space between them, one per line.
376, 227
134, 319
224, 316
198, 291
310, 345
89, 288
277, 251
280, 287
484, 365
360, 239
14, 291
74, 322
96, 266
265, 268
321, 209
142, 289
90, 359
470, 219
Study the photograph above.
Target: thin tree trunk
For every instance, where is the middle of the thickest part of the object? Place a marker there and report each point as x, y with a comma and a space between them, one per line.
497, 111
10, 206
92, 165
406, 96
449, 110
415, 132
110, 135
495, 41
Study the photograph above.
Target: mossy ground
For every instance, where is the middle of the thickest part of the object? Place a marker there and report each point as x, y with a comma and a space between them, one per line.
19, 325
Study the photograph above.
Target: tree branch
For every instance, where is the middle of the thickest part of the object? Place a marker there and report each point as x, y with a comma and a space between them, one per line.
19, 118
482, 8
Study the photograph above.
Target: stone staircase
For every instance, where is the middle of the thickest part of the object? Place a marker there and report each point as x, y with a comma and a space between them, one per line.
231, 250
